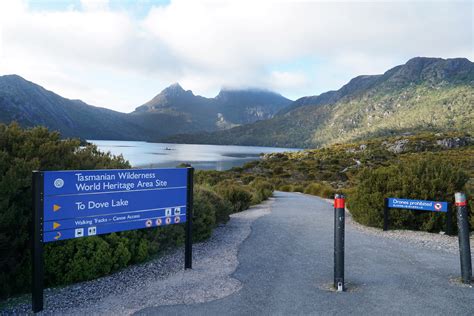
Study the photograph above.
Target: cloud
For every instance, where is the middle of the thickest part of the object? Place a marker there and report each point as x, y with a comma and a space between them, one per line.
114, 58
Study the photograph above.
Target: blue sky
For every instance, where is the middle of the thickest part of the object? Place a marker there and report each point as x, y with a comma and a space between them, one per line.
119, 54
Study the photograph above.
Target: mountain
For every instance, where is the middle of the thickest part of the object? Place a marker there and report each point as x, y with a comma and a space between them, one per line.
424, 94
172, 111
229, 108
248, 106
30, 104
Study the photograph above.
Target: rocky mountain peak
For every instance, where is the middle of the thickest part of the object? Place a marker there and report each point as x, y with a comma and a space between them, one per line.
431, 70
174, 89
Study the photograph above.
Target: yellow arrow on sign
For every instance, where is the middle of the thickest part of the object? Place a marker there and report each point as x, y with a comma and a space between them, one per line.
56, 207
56, 225
57, 236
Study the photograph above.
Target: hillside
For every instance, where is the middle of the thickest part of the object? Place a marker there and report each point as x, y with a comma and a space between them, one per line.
30, 104
172, 111
430, 166
425, 94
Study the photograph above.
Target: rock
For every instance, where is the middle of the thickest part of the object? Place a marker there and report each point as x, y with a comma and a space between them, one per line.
398, 147
452, 142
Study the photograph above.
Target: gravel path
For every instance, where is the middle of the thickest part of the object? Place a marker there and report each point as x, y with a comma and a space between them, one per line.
161, 281
286, 268
283, 267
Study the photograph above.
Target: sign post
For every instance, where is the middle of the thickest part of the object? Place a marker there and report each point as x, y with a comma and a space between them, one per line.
37, 243
188, 247
75, 204
386, 215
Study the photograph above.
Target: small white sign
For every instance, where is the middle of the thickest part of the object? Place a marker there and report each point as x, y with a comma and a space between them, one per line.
79, 232
177, 211
91, 231
168, 212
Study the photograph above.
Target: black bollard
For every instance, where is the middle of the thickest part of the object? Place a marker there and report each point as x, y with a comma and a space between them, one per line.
463, 236
339, 217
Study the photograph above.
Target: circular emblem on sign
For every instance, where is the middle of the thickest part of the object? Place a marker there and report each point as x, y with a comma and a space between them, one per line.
58, 183
437, 206
148, 223
176, 219
158, 221
168, 220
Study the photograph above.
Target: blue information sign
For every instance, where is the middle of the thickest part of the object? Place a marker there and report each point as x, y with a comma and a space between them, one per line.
87, 203
421, 205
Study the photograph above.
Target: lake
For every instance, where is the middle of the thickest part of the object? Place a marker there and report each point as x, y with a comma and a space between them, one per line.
204, 157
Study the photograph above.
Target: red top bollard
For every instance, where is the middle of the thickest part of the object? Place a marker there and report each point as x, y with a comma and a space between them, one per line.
460, 199
339, 201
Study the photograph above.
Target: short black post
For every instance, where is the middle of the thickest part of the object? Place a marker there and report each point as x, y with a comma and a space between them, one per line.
449, 220
385, 214
37, 243
339, 217
463, 236
188, 247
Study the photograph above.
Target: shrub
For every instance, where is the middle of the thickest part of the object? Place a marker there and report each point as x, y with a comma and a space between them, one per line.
320, 189
429, 178
286, 188
238, 196
204, 216
22, 151
262, 190
222, 207
298, 188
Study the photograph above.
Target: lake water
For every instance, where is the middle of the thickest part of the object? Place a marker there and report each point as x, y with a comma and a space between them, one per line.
205, 157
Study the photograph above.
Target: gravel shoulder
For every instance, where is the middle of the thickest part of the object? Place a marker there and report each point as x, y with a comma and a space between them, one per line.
441, 242
282, 264
162, 281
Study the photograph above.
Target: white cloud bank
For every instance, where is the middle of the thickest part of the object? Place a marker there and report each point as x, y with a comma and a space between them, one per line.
113, 58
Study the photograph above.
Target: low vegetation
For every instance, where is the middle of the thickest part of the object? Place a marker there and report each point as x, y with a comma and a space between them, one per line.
216, 196
426, 166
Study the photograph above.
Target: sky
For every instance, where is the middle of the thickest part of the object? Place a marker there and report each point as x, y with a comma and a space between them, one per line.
120, 54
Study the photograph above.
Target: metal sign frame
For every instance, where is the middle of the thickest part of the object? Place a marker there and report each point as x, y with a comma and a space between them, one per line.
37, 233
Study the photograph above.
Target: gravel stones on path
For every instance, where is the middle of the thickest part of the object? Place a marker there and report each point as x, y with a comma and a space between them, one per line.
162, 281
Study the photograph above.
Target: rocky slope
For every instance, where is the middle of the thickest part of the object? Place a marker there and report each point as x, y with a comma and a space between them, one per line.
425, 94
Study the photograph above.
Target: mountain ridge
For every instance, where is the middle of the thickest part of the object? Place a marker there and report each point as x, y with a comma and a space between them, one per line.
174, 110
423, 94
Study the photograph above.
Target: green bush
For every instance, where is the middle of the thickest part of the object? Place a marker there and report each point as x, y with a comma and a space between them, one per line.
286, 188
429, 178
262, 190
320, 189
22, 151
298, 188
222, 207
74, 260
238, 196
204, 216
